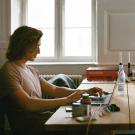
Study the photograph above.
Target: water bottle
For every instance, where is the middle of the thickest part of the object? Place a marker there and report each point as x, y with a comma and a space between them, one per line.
121, 79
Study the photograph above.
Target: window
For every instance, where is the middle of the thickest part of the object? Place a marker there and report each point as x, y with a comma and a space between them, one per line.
67, 26
41, 14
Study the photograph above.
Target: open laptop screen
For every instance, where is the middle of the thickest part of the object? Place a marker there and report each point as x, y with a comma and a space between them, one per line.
105, 99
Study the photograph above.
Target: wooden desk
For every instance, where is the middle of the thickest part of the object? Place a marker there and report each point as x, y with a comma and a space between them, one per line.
109, 122
131, 94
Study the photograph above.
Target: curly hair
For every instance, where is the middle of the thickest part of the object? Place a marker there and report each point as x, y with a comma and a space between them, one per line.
23, 39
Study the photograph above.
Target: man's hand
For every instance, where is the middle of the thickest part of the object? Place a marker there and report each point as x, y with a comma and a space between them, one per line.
95, 91
74, 96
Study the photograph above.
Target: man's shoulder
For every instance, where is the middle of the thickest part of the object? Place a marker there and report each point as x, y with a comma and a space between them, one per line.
7, 66
33, 69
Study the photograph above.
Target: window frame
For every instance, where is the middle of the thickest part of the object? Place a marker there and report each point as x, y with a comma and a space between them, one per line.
59, 34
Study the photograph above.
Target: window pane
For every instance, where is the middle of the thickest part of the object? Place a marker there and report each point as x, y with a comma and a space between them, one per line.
77, 28
78, 42
47, 44
41, 15
78, 13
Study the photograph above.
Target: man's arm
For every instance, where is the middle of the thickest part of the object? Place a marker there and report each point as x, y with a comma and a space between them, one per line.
27, 103
55, 91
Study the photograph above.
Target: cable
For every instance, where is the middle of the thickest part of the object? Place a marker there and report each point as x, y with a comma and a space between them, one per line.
90, 119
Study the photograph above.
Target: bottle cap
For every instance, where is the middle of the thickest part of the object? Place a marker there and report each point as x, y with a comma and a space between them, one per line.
85, 96
85, 99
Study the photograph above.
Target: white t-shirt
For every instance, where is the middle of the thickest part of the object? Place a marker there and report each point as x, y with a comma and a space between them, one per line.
14, 76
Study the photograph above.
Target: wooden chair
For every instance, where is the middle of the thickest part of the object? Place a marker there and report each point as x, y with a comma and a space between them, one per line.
21, 123
2, 118
4, 123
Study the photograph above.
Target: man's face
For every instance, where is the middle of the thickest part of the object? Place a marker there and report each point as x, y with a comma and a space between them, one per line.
32, 53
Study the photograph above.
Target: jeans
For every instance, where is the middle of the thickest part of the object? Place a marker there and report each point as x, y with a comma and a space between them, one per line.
63, 81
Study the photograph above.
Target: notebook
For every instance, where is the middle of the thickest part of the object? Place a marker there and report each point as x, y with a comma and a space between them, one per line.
105, 99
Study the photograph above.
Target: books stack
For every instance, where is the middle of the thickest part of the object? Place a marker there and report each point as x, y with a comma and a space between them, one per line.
102, 73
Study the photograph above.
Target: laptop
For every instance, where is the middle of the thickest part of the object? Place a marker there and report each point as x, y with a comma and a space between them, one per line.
105, 99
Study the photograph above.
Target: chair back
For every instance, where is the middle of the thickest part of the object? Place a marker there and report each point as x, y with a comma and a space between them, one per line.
2, 117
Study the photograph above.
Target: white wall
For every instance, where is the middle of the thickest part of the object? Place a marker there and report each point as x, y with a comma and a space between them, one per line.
115, 33
116, 30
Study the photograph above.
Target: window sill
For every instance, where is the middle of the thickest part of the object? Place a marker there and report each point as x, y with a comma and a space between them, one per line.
61, 63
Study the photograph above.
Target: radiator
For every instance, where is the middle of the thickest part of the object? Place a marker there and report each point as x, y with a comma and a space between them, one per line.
75, 77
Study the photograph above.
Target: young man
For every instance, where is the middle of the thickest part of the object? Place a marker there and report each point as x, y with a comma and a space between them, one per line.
23, 87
